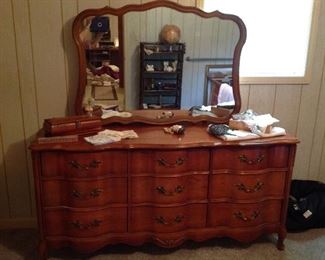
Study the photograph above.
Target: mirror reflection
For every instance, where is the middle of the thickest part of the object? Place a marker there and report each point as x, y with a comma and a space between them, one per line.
207, 40
100, 38
113, 74
219, 86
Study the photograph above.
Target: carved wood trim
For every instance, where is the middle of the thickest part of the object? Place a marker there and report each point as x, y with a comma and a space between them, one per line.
169, 243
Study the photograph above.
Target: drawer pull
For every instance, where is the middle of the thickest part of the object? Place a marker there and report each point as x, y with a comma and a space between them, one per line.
178, 162
92, 164
176, 220
93, 194
241, 216
93, 224
177, 190
258, 160
258, 186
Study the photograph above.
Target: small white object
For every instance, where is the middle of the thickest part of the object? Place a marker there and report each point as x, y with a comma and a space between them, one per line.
265, 120
150, 67
174, 65
101, 139
205, 108
126, 134
307, 214
241, 134
110, 136
111, 113
166, 63
116, 42
278, 130
148, 51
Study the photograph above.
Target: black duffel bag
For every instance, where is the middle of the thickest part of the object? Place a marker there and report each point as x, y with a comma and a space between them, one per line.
306, 208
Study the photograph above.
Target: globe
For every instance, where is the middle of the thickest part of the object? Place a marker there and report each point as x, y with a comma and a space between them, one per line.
170, 34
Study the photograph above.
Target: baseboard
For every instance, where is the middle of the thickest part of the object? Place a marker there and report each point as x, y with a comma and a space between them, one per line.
15, 223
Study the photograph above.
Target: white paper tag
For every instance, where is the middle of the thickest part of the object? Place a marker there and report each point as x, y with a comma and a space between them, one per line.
307, 213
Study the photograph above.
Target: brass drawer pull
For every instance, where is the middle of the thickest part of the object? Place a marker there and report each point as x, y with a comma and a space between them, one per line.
93, 194
176, 220
258, 160
241, 216
177, 190
93, 224
92, 164
258, 186
178, 162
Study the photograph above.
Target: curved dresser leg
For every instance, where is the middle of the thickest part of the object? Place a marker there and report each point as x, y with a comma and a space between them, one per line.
281, 236
42, 250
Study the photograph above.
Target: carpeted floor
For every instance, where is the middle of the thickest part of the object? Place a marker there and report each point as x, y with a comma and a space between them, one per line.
21, 244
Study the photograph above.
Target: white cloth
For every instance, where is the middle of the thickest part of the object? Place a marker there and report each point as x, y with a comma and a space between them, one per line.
111, 113
110, 136
242, 135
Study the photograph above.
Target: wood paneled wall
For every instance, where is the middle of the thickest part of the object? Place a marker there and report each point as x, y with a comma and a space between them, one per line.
38, 80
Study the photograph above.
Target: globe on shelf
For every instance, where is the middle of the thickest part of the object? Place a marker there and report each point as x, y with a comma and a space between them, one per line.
170, 34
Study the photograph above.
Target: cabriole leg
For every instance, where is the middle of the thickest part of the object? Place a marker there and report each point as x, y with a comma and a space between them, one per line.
42, 250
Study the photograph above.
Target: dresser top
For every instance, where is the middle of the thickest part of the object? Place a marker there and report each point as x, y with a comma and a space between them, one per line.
154, 137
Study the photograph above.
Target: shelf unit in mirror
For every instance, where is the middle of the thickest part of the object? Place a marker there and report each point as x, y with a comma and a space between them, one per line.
161, 70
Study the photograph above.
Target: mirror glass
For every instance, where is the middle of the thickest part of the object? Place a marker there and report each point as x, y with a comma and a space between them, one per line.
100, 40
208, 41
108, 41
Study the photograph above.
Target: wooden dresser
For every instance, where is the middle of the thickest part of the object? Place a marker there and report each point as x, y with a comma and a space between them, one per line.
161, 188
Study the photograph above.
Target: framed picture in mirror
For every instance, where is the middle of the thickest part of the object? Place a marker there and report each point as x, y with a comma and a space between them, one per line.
218, 86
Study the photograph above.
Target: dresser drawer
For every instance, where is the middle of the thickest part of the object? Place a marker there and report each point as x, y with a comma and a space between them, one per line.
250, 158
167, 219
82, 165
244, 215
84, 193
77, 223
146, 162
184, 188
247, 186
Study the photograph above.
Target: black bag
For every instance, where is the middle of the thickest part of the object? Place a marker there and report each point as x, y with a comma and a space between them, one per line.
306, 208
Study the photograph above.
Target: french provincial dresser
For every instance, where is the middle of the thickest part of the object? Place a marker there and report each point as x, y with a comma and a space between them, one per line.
159, 188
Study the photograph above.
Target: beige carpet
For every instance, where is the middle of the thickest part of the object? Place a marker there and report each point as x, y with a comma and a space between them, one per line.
21, 244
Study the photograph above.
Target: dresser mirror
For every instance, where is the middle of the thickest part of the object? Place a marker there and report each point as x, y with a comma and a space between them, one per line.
108, 42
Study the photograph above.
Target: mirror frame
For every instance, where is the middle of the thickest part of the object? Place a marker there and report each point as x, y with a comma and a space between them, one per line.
120, 12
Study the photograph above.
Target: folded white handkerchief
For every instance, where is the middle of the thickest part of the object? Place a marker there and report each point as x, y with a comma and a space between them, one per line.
111, 113
110, 136
102, 139
122, 134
